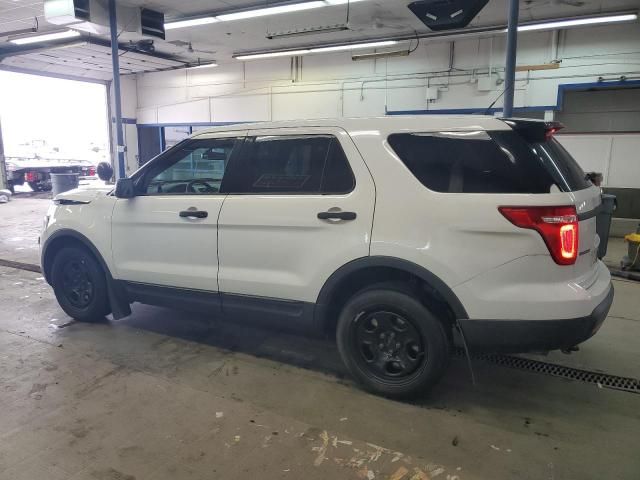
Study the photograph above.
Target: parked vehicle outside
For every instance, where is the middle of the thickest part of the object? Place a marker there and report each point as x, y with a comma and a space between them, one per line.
396, 235
37, 172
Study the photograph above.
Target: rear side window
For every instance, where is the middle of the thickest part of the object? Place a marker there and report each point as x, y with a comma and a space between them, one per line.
487, 162
468, 162
298, 164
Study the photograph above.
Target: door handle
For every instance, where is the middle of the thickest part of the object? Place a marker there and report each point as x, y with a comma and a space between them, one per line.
337, 215
194, 214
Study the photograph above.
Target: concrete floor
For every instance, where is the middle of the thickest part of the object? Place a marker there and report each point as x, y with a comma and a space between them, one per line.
164, 394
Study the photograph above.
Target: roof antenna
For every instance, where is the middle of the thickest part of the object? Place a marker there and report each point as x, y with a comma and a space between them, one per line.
488, 110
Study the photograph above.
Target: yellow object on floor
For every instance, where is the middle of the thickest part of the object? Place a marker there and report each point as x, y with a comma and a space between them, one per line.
632, 238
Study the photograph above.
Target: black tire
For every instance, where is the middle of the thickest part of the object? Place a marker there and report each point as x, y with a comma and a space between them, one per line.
419, 351
80, 285
35, 186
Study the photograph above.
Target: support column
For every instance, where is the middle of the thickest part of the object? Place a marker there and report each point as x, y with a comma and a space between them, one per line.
115, 65
4, 182
512, 46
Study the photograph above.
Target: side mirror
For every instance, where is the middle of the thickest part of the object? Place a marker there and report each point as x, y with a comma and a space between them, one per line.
125, 188
105, 171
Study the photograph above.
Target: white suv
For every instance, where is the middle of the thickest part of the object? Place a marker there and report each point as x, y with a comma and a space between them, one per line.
398, 235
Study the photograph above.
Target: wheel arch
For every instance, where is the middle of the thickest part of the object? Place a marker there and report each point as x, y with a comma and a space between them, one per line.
66, 238
368, 270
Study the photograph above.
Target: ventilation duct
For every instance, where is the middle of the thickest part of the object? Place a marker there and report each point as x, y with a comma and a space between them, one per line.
92, 16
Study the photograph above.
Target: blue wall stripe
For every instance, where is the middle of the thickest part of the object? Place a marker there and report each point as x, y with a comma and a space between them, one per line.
562, 89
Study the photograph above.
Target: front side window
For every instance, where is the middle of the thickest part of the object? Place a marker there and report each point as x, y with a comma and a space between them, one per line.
194, 167
291, 164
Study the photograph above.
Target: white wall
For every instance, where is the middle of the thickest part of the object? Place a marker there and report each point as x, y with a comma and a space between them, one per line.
614, 155
333, 85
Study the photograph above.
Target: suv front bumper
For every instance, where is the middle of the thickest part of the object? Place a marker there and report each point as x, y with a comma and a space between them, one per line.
520, 336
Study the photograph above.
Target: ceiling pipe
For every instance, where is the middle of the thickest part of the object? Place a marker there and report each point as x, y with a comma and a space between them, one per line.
486, 31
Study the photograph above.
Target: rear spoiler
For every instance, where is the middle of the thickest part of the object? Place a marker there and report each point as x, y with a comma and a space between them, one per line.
533, 130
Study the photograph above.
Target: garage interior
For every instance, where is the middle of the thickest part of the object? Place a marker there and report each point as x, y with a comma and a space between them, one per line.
165, 393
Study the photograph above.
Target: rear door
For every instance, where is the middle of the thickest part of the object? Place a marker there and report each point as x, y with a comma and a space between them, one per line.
300, 205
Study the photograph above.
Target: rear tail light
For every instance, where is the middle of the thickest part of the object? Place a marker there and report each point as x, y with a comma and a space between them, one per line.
558, 227
92, 171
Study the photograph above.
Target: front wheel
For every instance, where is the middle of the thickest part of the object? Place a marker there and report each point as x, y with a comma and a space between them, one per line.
79, 285
391, 343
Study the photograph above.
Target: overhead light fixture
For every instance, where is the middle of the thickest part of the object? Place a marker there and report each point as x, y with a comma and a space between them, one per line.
288, 53
338, 48
308, 31
305, 51
262, 12
47, 37
376, 55
203, 65
340, 2
255, 13
192, 22
576, 22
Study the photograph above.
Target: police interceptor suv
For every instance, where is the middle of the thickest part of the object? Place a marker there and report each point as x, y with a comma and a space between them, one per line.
397, 235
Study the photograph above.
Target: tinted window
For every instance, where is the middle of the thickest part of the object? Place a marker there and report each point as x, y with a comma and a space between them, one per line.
469, 162
191, 168
338, 177
290, 164
565, 170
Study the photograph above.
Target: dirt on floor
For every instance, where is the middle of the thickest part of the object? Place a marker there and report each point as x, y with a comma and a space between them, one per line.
164, 394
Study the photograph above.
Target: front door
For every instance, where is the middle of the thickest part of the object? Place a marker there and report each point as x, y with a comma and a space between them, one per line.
300, 206
167, 234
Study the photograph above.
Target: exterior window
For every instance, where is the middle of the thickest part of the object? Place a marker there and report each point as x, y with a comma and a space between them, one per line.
193, 167
291, 164
473, 162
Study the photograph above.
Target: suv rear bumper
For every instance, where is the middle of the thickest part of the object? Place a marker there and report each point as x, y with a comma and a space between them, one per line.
519, 336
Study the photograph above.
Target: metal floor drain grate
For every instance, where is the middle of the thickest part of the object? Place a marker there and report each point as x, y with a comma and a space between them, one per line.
596, 378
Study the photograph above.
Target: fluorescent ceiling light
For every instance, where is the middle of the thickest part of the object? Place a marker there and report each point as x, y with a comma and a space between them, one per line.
376, 55
338, 48
254, 13
308, 31
190, 22
45, 37
288, 53
261, 12
204, 65
292, 53
578, 22
340, 2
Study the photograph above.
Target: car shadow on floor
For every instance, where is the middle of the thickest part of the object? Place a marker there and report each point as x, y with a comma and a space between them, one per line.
498, 389
305, 351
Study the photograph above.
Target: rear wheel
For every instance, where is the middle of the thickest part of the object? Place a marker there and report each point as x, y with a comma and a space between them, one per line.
79, 284
391, 343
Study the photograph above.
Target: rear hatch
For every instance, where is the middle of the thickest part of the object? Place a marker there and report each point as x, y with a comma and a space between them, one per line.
537, 141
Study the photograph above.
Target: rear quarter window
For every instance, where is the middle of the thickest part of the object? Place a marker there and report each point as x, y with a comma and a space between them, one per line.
486, 162
468, 162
